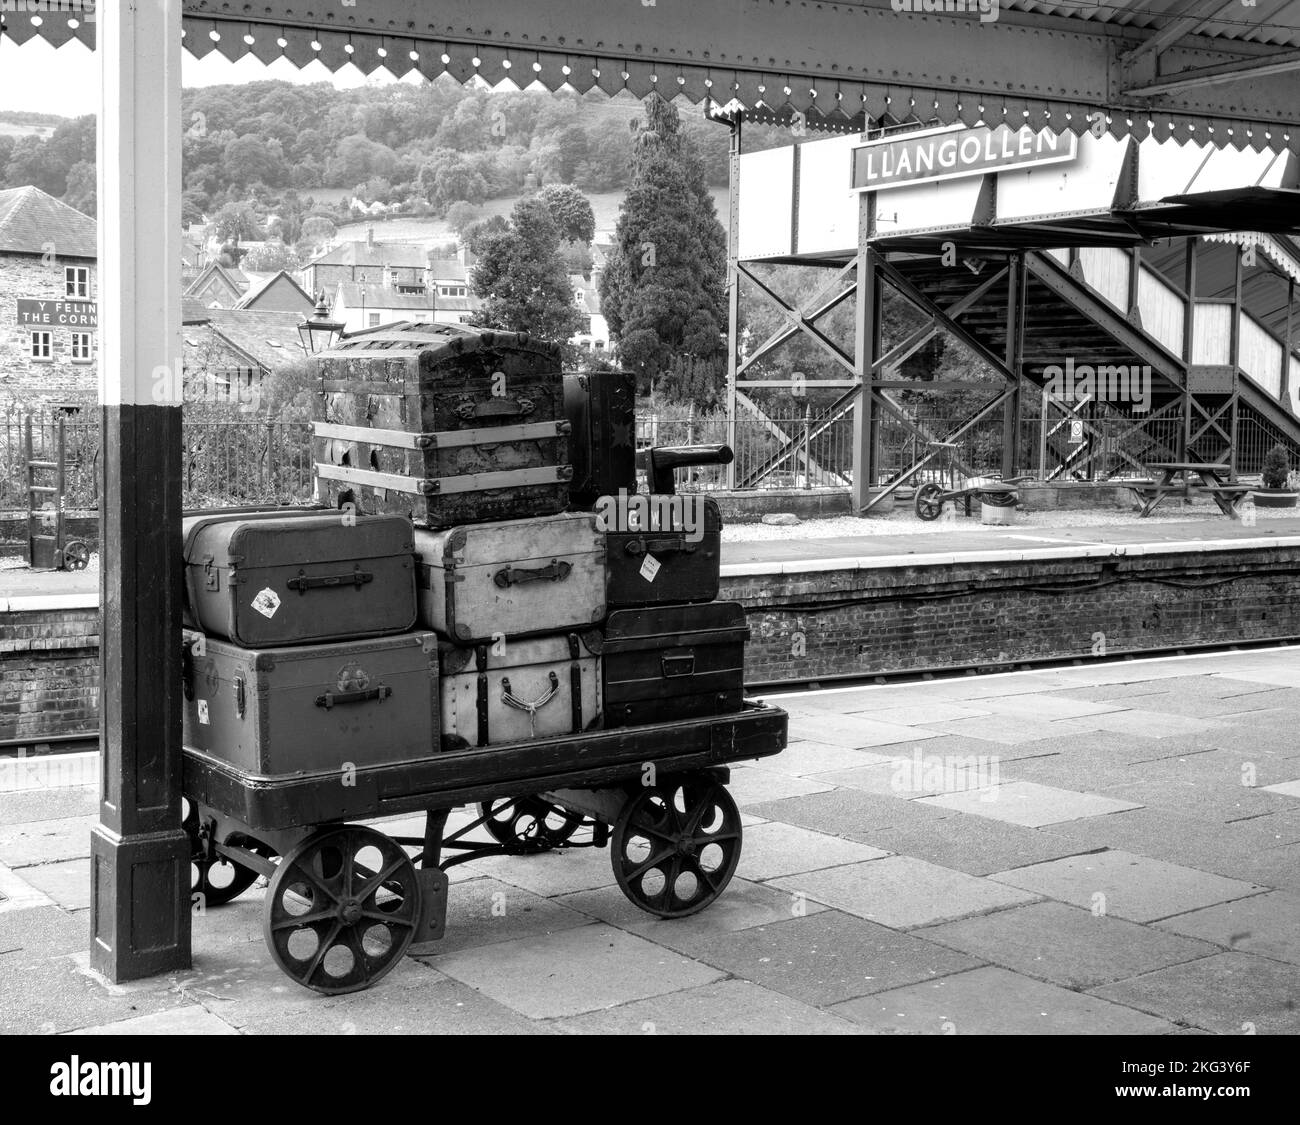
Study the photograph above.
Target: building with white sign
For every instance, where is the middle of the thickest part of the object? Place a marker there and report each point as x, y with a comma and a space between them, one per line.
48, 301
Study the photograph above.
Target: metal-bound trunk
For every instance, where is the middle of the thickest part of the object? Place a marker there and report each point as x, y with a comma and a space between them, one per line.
512, 691
601, 409
662, 549
448, 425
312, 709
485, 581
687, 661
271, 579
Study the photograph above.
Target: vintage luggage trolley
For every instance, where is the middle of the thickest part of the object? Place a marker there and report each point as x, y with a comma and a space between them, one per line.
457, 623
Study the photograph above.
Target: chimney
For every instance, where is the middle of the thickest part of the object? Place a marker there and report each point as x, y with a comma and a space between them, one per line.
370, 237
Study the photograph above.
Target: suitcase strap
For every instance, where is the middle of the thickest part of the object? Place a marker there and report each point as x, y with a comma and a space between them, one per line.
511, 700
475, 482
332, 699
441, 439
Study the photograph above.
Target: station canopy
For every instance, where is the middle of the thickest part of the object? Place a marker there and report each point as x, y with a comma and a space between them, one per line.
1222, 72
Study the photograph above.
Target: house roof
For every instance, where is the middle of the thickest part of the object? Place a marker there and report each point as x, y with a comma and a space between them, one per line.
588, 297
234, 278
259, 287
401, 255
193, 311
384, 297
31, 221
270, 338
447, 269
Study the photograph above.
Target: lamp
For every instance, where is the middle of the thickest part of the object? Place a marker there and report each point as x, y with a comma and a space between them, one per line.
319, 333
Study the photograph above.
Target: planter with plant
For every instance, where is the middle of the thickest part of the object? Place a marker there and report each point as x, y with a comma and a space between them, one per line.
1278, 489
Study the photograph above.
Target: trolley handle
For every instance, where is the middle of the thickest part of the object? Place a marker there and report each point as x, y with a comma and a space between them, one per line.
661, 462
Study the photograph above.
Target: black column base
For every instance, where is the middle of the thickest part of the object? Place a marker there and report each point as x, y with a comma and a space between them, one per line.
140, 903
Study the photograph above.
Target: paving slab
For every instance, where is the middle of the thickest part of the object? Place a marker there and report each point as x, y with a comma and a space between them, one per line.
26, 806
902, 892
484, 911
800, 759
824, 958
434, 1006
189, 1019
741, 906
995, 1001
1231, 994
1014, 730
975, 845
849, 813
775, 849
921, 776
752, 786
1029, 804
1286, 788
1151, 724
1265, 924
730, 1007
45, 841
1066, 945
579, 970
856, 732
44, 930
547, 873
923, 712
1046, 706
1125, 885
67, 883
18, 894
1223, 799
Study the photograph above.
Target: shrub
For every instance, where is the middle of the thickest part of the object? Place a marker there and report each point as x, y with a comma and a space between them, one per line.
1276, 467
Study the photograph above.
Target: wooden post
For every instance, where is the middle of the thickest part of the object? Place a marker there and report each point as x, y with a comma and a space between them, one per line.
140, 856
733, 296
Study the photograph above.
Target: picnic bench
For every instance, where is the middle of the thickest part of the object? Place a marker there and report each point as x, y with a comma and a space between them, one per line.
1187, 479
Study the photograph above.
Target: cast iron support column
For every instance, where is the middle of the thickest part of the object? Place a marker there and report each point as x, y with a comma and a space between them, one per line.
733, 296
1189, 343
1014, 352
1238, 281
140, 857
866, 351
1284, 388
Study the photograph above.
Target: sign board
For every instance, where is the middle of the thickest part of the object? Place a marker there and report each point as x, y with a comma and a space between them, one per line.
946, 154
1076, 433
50, 313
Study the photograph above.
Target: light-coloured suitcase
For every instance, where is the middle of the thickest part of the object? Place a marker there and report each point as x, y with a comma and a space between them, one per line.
484, 581
513, 691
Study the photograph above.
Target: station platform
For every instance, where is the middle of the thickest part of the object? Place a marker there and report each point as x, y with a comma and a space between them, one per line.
967, 541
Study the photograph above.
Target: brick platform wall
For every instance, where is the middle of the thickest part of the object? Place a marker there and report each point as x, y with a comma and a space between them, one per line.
859, 622
49, 673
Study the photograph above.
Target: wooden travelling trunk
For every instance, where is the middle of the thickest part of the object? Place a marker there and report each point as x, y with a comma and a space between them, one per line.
601, 409
679, 661
657, 561
446, 424
271, 712
269, 579
484, 581
512, 691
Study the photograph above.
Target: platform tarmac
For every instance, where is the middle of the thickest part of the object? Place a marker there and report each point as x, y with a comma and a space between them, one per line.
756, 555
1112, 848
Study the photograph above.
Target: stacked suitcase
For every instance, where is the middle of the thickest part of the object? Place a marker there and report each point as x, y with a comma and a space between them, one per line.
544, 599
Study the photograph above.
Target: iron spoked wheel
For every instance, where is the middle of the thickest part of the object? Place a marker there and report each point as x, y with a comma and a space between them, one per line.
342, 909
528, 821
1000, 499
676, 845
218, 880
76, 555
929, 501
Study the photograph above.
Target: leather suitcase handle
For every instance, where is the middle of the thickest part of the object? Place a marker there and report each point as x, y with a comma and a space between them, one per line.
497, 408
303, 583
678, 665
557, 571
336, 698
658, 546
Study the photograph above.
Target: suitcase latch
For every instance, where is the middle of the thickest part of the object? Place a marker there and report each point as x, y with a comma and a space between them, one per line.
211, 575
678, 665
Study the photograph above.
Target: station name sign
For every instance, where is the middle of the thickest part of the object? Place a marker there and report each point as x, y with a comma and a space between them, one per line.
57, 314
949, 153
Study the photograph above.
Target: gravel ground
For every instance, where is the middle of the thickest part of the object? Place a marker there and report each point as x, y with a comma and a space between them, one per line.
905, 522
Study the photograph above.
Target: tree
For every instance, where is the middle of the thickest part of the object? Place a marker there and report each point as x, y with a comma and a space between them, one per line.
82, 188
250, 159
235, 222
663, 291
571, 211
460, 216
272, 257
522, 280
319, 229
477, 235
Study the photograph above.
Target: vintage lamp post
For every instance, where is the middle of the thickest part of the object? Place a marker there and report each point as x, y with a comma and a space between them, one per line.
319, 333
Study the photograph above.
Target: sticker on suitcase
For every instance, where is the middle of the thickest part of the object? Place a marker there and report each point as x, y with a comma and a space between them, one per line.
266, 603
649, 568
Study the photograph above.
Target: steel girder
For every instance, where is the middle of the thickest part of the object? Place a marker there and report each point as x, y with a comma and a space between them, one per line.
833, 63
